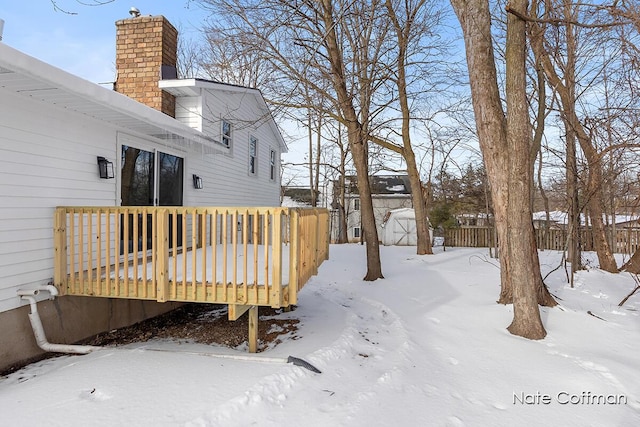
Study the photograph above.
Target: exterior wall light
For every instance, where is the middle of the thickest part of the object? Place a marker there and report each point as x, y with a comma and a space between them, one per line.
197, 182
105, 167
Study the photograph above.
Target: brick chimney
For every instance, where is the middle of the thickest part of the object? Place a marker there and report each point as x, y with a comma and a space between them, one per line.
143, 45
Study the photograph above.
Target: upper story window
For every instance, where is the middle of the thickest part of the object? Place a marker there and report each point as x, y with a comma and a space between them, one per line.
356, 204
226, 134
272, 165
253, 155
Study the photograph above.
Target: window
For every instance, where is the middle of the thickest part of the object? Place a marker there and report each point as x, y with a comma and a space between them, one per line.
226, 134
253, 155
272, 165
356, 204
356, 232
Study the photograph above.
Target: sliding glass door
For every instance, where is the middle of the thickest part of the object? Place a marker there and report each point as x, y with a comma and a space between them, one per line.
149, 178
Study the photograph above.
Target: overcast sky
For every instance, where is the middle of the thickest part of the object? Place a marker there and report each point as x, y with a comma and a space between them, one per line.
82, 41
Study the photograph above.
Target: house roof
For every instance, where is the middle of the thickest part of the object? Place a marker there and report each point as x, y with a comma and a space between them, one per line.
383, 185
32, 78
193, 87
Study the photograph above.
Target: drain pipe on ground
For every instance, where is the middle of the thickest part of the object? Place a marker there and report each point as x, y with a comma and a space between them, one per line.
38, 330
41, 339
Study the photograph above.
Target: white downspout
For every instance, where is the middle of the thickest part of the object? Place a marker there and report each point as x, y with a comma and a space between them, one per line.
38, 330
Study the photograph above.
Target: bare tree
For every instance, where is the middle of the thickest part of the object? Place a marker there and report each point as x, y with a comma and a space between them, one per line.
505, 141
57, 7
562, 76
308, 49
189, 58
409, 21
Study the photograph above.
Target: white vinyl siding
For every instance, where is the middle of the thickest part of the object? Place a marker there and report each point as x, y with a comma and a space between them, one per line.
225, 178
189, 111
46, 162
49, 158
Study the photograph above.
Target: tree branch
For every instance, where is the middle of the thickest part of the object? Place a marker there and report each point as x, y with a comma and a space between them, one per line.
528, 18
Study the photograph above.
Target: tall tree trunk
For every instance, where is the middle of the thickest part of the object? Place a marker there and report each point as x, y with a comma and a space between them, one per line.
424, 246
573, 224
342, 235
565, 88
521, 242
312, 194
543, 295
596, 215
574, 221
358, 140
403, 35
316, 180
506, 146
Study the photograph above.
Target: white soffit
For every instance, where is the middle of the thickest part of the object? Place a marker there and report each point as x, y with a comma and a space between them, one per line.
40, 81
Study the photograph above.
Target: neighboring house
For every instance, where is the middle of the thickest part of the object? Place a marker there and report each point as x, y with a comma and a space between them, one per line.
388, 192
65, 141
559, 220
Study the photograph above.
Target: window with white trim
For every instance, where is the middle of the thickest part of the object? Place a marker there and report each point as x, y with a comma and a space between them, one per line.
356, 232
356, 204
226, 134
253, 155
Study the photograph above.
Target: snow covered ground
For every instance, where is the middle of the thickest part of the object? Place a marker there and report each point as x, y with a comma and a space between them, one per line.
426, 346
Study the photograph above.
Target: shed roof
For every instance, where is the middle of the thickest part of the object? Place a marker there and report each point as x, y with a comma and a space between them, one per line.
30, 77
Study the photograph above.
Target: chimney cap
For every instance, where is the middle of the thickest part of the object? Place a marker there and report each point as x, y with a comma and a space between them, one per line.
134, 12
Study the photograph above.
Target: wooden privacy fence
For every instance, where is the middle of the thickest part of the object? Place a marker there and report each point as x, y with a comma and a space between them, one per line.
626, 240
236, 256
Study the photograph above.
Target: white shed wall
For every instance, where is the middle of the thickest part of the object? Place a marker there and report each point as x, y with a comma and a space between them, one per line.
382, 204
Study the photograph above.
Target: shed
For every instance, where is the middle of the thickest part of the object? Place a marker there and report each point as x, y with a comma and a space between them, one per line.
399, 228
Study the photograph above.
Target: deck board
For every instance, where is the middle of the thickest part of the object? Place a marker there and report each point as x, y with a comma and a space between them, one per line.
254, 294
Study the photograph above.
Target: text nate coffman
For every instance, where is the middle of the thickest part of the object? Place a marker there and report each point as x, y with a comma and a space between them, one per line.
566, 398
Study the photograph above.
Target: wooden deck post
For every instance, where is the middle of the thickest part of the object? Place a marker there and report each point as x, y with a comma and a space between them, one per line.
316, 255
294, 255
253, 329
60, 250
276, 280
162, 257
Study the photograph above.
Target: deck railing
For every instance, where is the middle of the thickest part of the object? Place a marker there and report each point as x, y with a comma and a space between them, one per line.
229, 255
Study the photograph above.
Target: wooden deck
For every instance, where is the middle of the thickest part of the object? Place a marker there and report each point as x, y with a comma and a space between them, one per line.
243, 257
